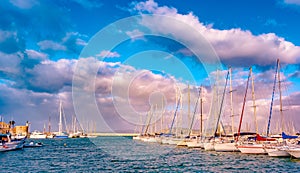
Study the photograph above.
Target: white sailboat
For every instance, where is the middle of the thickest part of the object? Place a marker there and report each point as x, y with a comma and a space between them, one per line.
251, 147
60, 134
228, 143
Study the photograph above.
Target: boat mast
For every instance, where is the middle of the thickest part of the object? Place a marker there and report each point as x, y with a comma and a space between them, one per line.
60, 118
221, 105
280, 98
49, 125
149, 120
201, 111
193, 118
189, 106
175, 113
162, 114
243, 108
231, 100
253, 101
271, 107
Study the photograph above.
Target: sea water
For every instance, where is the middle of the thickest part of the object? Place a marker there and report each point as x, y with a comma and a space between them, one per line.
122, 154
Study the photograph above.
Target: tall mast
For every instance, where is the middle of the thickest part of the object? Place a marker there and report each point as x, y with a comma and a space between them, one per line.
162, 114
60, 118
189, 104
221, 105
271, 107
244, 102
201, 111
149, 120
280, 97
253, 100
231, 101
49, 125
180, 118
175, 113
193, 118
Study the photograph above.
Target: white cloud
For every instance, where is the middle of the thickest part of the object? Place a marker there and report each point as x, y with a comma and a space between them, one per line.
35, 54
49, 44
10, 63
108, 54
236, 46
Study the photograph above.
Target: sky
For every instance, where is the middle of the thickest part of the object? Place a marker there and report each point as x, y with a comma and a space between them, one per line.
112, 62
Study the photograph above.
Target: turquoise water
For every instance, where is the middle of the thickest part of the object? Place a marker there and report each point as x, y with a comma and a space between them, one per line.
119, 154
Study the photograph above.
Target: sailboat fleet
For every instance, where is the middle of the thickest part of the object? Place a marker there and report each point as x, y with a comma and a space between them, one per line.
62, 133
214, 137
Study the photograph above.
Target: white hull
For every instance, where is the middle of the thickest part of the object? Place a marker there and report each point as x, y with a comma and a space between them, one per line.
158, 140
226, 147
165, 141
209, 146
49, 136
182, 143
174, 141
38, 136
136, 137
295, 152
195, 144
150, 139
276, 152
252, 149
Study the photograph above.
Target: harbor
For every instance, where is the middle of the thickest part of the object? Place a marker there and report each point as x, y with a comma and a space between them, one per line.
149, 86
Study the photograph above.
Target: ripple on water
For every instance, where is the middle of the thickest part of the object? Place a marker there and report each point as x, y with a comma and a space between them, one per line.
125, 155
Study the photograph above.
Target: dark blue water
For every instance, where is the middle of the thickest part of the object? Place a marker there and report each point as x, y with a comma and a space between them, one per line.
119, 154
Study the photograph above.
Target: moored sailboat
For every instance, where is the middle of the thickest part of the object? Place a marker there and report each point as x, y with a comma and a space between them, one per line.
60, 134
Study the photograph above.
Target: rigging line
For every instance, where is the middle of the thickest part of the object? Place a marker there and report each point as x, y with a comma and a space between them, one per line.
243, 108
271, 107
193, 118
222, 101
175, 113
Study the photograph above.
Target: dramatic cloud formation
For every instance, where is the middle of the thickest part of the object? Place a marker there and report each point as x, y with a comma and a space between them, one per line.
234, 46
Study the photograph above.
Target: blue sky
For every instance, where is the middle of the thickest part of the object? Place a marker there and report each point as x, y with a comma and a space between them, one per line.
41, 42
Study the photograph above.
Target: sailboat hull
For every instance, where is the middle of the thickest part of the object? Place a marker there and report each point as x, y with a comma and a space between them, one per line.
195, 144
226, 147
295, 152
209, 146
252, 149
275, 152
61, 136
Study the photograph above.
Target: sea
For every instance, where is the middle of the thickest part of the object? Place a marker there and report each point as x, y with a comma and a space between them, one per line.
123, 154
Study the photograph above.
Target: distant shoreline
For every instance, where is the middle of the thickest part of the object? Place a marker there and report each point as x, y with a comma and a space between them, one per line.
113, 134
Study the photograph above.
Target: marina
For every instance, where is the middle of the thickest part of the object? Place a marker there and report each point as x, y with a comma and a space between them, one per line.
82, 155
149, 86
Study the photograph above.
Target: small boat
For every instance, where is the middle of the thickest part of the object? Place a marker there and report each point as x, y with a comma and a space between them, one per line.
7, 144
33, 145
4, 148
